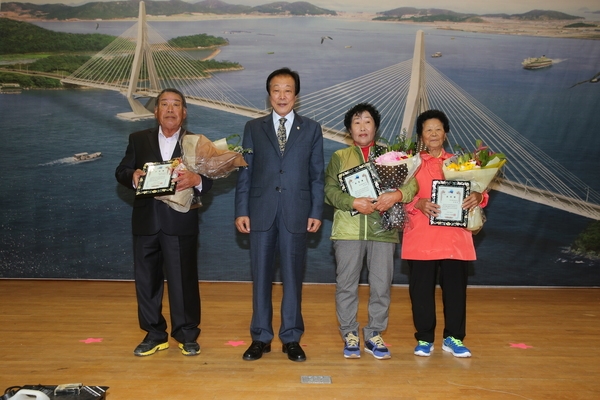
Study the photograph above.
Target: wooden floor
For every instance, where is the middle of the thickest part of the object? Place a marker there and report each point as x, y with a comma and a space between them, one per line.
526, 344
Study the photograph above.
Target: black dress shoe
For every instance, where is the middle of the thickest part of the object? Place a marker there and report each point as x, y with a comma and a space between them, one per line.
256, 350
294, 351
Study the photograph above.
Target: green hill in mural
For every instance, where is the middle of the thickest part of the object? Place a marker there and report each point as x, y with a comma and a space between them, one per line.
22, 37
129, 9
296, 8
200, 40
435, 14
542, 15
588, 241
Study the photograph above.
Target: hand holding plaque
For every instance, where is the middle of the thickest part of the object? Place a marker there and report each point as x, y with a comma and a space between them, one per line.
361, 181
158, 180
449, 195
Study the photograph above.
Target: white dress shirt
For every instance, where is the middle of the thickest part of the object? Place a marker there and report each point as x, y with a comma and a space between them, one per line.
288, 123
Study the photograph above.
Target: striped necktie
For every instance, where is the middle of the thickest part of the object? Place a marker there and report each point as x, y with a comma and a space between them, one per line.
281, 135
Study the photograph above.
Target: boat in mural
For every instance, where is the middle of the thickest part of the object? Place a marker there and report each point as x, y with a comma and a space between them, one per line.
536, 62
10, 88
86, 156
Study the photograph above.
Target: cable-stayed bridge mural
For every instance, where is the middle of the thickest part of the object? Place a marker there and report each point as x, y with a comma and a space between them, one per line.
66, 219
141, 63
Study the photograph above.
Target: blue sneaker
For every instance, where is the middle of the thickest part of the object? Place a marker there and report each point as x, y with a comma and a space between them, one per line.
456, 347
351, 345
423, 349
376, 347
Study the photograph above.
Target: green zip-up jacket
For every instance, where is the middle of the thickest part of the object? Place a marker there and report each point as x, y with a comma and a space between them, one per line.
360, 226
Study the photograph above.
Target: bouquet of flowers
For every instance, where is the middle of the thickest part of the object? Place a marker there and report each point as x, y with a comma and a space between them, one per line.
180, 201
479, 167
212, 159
395, 166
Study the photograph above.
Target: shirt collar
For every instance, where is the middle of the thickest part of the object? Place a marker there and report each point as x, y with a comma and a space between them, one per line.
174, 137
289, 117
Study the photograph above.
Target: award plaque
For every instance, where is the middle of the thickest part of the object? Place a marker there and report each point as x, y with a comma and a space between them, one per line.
449, 195
158, 180
361, 181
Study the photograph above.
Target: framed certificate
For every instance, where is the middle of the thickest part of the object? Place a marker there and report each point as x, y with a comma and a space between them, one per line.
361, 181
157, 181
449, 195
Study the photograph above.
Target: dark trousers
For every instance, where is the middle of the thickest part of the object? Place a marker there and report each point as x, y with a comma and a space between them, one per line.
453, 276
176, 256
291, 248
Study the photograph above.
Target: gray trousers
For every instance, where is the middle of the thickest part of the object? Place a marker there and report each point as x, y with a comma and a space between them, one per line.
349, 255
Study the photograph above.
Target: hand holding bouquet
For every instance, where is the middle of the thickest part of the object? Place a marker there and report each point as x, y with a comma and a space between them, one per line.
182, 200
212, 159
479, 167
395, 167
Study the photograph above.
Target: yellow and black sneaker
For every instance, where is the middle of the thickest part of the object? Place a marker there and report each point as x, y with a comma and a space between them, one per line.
149, 347
189, 349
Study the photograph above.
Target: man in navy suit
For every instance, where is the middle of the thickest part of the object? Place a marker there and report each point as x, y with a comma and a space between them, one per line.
163, 237
278, 200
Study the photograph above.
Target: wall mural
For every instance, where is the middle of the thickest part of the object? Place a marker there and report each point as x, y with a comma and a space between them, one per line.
529, 76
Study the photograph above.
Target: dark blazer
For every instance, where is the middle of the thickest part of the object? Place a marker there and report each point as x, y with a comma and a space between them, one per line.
296, 177
151, 215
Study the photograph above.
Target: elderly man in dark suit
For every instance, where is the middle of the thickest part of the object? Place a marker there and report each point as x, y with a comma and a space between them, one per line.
279, 199
162, 237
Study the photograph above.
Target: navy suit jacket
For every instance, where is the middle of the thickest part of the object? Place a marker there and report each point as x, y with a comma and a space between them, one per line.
151, 215
294, 180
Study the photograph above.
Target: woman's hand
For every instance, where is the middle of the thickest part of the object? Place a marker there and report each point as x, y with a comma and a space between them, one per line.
427, 207
364, 205
472, 201
385, 201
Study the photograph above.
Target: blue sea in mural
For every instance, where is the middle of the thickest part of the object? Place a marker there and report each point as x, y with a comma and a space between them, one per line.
66, 219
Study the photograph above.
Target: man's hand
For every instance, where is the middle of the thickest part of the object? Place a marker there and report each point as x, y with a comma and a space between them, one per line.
313, 225
187, 179
136, 177
243, 224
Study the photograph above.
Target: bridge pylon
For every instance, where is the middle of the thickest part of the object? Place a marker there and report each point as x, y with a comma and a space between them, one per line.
416, 99
142, 58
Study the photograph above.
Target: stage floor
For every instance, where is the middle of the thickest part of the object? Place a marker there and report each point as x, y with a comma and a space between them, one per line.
527, 343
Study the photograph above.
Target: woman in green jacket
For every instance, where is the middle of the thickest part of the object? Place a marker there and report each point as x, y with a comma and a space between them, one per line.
358, 236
